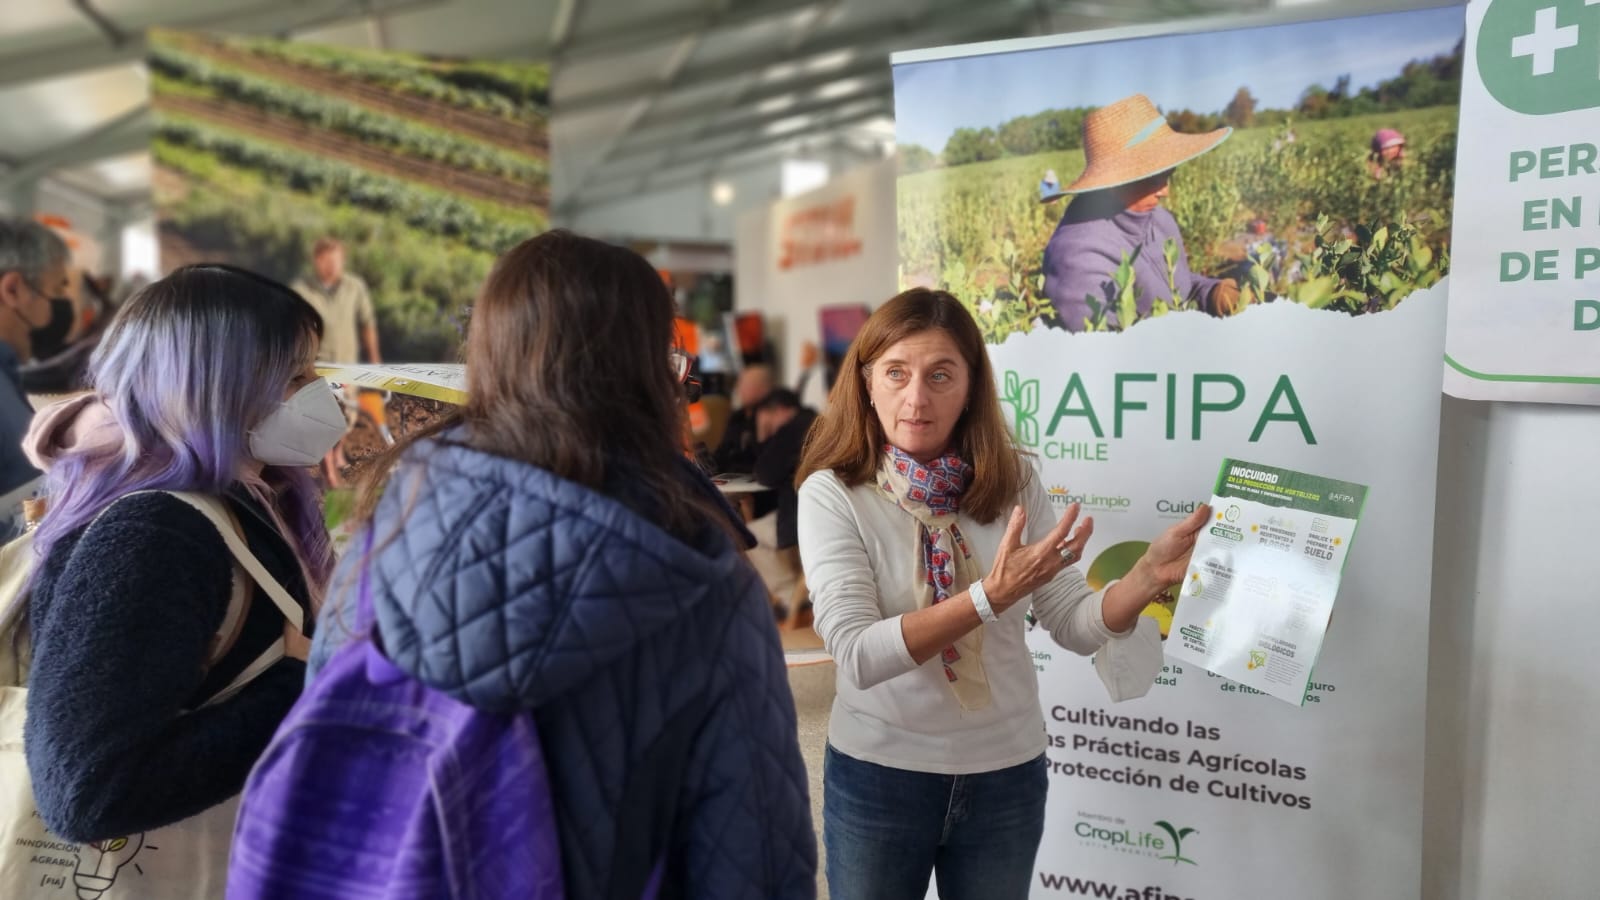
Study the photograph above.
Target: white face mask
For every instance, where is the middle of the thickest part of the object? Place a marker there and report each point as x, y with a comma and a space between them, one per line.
302, 430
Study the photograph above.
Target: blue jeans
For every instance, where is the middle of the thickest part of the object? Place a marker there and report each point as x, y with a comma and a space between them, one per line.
888, 830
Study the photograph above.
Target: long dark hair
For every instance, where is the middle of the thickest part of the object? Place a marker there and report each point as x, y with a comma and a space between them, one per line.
848, 439
569, 369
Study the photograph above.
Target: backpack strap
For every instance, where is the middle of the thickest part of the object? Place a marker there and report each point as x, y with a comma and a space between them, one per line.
215, 512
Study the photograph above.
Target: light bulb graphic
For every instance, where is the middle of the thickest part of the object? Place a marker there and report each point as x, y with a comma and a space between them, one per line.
100, 861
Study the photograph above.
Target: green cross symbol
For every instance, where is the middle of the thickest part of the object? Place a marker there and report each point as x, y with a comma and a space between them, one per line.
1541, 56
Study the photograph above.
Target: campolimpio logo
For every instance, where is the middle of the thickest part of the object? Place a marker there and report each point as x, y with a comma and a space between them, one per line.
1060, 496
1167, 844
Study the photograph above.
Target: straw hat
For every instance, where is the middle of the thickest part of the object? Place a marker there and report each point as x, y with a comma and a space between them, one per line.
1130, 140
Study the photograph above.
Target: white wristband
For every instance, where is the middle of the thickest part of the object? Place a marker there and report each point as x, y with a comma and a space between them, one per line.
980, 600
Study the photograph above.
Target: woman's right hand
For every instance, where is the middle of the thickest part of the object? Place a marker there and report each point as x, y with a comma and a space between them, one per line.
295, 644
1020, 569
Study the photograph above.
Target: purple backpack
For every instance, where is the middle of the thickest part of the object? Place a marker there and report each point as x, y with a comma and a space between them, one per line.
377, 786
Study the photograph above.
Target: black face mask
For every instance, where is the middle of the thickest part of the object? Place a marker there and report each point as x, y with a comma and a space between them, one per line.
51, 338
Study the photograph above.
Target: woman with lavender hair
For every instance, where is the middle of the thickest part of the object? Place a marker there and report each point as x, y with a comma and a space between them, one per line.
204, 383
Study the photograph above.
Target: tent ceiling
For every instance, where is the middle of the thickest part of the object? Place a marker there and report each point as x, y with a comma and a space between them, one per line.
647, 94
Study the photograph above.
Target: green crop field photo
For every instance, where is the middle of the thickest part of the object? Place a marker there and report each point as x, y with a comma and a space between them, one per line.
1292, 206
425, 169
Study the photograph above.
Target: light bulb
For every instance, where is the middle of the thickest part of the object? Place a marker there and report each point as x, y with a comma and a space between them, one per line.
100, 861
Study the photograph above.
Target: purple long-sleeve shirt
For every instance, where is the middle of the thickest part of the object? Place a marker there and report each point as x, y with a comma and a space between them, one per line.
1082, 258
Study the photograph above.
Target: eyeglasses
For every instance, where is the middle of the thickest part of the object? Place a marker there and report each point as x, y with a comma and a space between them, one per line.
681, 364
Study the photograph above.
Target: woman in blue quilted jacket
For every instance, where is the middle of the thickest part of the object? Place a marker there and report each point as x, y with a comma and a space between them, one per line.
549, 551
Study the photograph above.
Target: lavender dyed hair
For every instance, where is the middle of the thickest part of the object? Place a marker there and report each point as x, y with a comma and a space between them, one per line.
188, 366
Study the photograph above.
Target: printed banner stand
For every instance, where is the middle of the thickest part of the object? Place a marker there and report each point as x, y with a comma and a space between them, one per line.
1525, 309
1183, 248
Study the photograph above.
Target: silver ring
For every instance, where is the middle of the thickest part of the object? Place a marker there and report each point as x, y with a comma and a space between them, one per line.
1069, 555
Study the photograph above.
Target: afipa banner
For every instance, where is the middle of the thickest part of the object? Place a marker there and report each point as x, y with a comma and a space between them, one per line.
1525, 312
1230, 243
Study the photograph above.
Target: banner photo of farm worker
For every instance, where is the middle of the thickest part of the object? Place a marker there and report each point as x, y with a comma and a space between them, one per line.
1091, 187
381, 186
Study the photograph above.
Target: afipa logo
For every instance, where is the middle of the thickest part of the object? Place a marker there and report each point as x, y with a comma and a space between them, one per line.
1023, 397
1167, 844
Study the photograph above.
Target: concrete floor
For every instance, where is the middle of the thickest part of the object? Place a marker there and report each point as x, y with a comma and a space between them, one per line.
813, 698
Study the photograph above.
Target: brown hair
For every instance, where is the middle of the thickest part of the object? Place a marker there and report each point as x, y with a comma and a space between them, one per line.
568, 369
326, 245
848, 439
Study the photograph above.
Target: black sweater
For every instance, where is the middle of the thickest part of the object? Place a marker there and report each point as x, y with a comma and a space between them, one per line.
120, 621
777, 461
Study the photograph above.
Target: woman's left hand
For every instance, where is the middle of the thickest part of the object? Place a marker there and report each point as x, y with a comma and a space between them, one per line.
1163, 565
1167, 560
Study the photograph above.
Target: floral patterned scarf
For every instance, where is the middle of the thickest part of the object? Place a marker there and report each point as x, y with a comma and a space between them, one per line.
931, 494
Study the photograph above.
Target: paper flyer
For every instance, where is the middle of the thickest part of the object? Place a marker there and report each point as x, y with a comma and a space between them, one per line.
446, 382
1261, 585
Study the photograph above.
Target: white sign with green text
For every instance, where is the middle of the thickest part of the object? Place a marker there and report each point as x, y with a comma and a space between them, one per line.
1524, 318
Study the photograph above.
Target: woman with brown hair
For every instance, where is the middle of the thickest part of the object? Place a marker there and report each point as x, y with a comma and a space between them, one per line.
910, 486
549, 551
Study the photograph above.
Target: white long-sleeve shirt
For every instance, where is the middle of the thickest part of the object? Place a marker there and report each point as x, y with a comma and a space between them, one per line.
861, 559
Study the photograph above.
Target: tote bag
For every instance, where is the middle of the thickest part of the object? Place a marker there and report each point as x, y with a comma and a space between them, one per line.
186, 860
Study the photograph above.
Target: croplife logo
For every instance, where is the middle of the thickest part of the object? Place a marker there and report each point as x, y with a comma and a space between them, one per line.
1165, 844
1177, 834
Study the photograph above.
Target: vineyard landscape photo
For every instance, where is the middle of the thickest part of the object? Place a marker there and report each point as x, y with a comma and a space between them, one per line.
424, 169
1299, 203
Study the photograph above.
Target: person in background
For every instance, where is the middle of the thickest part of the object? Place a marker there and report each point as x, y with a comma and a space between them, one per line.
346, 308
557, 502
737, 450
34, 318
1388, 152
927, 538
63, 369
204, 383
781, 427
1049, 186
782, 424
1130, 152
344, 303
